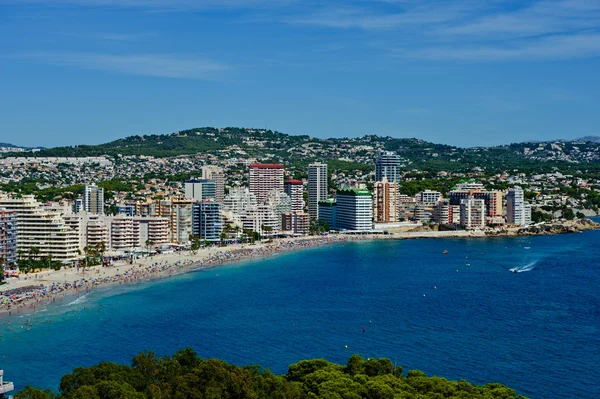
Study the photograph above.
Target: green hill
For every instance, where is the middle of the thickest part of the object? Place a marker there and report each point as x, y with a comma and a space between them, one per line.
298, 150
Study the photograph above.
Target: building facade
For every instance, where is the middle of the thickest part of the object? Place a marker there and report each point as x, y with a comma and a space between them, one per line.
328, 213
295, 190
518, 212
207, 220
93, 199
295, 222
263, 179
385, 201
217, 175
317, 188
472, 213
430, 197
354, 210
200, 189
387, 164
8, 238
43, 229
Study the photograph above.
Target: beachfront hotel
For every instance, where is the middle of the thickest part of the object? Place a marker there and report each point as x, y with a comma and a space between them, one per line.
207, 220
8, 237
354, 210
317, 187
41, 228
265, 178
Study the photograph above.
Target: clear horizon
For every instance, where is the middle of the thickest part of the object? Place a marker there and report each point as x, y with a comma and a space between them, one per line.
464, 73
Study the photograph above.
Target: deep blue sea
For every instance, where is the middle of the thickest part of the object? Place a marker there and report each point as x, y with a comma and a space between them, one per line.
456, 315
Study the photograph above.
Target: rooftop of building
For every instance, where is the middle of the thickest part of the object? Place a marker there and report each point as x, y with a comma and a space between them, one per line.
354, 192
265, 166
328, 202
294, 182
199, 181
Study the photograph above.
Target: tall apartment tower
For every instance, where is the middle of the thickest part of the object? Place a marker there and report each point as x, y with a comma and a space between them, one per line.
264, 178
217, 175
385, 202
93, 199
387, 164
295, 190
472, 213
317, 187
518, 212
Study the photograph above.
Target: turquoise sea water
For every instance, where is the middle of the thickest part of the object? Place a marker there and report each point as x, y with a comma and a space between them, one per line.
459, 315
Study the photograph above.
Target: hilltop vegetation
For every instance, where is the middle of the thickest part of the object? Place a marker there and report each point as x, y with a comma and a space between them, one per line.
187, 376
300, 150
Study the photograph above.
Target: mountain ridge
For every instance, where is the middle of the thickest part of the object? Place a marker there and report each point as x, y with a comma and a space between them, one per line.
268, 145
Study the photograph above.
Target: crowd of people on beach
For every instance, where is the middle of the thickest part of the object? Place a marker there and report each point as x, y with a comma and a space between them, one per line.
32, 296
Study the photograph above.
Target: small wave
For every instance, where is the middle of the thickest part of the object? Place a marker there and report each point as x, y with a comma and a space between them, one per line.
77, 301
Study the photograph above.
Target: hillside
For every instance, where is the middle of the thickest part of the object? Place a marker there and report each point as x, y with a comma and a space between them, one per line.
298, 150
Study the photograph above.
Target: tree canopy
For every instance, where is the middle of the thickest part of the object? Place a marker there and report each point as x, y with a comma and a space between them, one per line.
186, 375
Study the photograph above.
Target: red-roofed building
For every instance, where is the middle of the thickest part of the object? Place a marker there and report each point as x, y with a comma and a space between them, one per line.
264, 178
266, 166
295, 190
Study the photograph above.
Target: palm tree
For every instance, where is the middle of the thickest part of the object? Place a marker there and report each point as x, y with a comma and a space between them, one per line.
34, 252
149, 244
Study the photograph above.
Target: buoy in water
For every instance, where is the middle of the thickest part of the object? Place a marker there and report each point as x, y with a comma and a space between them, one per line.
346, 346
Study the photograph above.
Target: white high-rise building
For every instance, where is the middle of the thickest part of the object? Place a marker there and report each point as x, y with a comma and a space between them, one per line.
43, 229
217, 175
317, 187
518, 212
387, 164
263, 179
93, 199
472, 213
354, 210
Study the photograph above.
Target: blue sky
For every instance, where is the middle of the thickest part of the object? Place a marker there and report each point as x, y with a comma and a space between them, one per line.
467, 73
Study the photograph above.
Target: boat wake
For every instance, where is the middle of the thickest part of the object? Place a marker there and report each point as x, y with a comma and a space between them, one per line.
527, 268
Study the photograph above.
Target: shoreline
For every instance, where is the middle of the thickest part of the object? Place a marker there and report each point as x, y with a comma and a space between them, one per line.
35, 291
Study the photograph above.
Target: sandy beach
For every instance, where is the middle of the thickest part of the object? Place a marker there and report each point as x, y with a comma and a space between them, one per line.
30, 292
